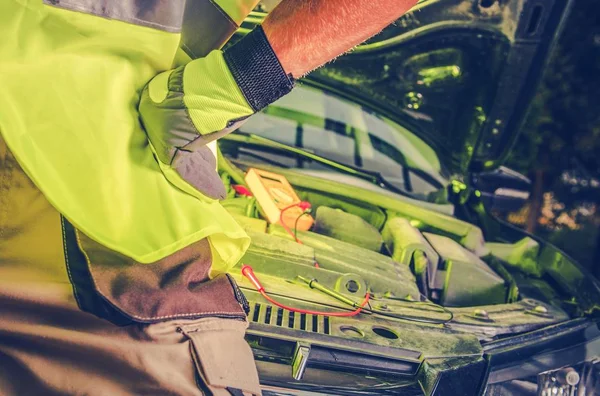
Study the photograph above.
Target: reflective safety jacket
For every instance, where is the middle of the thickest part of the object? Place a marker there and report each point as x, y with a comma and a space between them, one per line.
124, 161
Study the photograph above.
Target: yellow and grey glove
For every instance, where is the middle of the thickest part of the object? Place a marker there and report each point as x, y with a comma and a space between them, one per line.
185, 108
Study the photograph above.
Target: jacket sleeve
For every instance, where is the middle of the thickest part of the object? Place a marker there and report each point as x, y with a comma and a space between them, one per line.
185, 108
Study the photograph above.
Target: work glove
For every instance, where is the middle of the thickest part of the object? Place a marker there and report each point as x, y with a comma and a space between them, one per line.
185, 108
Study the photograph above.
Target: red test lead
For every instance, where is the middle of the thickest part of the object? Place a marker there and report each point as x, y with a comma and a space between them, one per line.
248, 272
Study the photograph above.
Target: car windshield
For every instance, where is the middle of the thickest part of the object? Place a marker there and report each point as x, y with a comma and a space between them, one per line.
342, 131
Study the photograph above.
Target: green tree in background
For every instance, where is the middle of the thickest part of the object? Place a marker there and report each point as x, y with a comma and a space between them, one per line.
559, 147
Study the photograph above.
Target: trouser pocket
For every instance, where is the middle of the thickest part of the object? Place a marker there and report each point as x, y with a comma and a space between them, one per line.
223, 359
123, 291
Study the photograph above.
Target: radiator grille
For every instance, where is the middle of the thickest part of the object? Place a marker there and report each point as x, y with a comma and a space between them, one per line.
275, 316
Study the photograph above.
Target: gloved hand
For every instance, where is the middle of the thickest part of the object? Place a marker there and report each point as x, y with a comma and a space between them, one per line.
185, 108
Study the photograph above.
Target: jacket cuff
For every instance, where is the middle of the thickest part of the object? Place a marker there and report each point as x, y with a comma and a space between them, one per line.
257, 70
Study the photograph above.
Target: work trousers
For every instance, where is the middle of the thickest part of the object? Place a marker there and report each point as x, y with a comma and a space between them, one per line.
50, 346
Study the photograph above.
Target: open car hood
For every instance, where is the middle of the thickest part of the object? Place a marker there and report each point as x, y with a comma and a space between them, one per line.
460, 74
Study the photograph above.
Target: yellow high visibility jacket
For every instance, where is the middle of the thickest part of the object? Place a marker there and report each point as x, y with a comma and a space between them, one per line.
72, 73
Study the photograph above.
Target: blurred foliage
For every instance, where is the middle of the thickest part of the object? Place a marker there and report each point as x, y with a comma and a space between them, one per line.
559, 147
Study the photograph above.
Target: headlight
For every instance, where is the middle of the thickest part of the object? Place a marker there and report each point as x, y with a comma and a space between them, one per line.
578, 380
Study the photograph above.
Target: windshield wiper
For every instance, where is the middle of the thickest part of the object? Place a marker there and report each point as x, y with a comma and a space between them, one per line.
371, 176
253, 139
252, 153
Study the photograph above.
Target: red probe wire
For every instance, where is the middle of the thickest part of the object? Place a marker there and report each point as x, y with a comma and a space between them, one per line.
242, 190
248, 272
302, 205
309, 312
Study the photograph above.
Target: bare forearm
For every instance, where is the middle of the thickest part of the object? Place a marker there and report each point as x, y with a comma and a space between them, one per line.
305, 34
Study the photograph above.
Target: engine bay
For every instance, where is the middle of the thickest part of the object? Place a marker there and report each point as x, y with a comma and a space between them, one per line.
436, 287
416, 263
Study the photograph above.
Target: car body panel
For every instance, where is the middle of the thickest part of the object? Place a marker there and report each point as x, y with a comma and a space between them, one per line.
460, 74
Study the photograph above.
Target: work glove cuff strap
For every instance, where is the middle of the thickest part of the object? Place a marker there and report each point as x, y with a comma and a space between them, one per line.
257, 71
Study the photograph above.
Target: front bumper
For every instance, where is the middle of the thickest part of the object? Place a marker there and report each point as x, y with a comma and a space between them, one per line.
527, 364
